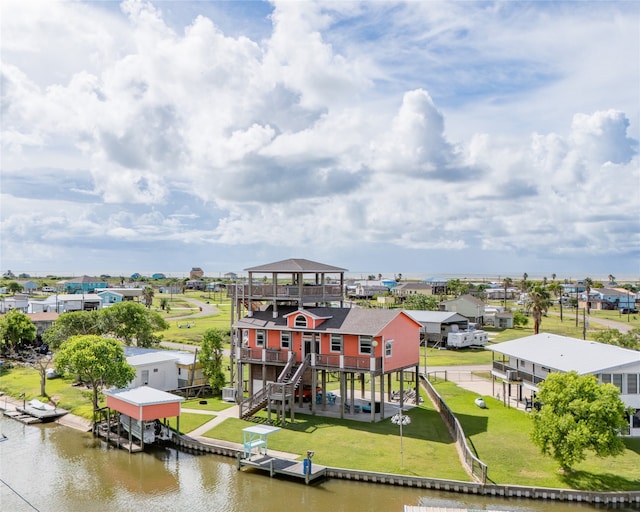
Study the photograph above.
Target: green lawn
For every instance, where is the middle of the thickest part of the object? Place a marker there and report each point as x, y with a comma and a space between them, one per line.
213, 404
500, 436
427, 447
26, 380
190, 421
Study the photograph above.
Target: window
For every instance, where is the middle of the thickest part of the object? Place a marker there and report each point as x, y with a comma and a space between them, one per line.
336, 343
632, 384
605, 378
388, 346
300, 321
285, 340
260, 338
617, 381
635, 421
365, 345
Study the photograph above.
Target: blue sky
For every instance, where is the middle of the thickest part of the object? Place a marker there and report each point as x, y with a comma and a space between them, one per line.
422, 138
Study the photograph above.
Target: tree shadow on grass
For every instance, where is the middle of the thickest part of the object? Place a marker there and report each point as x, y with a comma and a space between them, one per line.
587, 481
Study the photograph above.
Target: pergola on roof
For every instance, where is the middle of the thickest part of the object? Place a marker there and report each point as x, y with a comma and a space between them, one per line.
296, 265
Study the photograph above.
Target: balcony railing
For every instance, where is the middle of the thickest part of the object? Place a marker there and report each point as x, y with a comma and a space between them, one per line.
331, 362
320, 293
520, 374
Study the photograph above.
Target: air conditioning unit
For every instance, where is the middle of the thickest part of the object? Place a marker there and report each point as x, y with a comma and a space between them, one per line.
512, 375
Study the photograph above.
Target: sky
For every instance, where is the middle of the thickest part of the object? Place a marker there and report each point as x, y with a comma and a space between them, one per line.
424, 138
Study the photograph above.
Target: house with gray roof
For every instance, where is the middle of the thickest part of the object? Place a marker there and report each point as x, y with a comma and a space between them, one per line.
521, 365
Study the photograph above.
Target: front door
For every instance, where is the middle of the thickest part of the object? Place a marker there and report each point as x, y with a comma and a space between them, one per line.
309, 345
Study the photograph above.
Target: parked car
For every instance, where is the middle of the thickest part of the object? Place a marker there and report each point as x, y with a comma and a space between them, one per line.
626, 311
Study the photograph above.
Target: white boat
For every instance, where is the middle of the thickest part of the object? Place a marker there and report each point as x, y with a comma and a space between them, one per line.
147, 431
41, 406
141, 430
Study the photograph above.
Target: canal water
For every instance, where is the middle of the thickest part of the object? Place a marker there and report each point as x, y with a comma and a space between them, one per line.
51, 468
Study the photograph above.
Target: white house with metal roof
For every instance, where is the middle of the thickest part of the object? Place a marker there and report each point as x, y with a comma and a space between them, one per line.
156, 369
525, 362
436, 325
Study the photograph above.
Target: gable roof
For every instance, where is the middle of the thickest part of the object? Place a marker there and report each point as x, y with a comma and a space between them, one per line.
295, 265
367, 322
566, 354
467, 298
436, 316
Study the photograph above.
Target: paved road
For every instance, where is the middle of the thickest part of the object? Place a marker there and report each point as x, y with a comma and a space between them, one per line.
207, 310
623, 327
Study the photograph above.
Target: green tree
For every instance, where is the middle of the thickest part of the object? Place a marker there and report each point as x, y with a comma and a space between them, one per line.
73, 323
577, 415
588, 284
520, 319
129, 321
506, 283
16, 328
14, 287
210, 357
96, 360
421, 302
540, 302
629, 340
147, 295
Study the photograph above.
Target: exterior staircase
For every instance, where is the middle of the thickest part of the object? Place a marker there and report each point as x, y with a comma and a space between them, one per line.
288, 380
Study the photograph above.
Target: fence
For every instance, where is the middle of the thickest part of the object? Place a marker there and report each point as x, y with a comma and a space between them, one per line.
476, 468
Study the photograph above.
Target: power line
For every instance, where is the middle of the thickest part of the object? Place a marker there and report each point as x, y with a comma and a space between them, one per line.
19, 495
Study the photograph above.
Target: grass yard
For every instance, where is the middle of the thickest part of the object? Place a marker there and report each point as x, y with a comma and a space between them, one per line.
427, 447
26, 380
190, 421
213, 404
500, 436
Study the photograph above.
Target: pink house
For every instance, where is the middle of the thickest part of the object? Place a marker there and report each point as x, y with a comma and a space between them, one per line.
287, 346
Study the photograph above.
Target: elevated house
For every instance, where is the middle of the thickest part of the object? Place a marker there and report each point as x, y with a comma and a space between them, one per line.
608, 299
436, 325
466, 305
84, 284
404, 290
196, 273
291, 339
519, 366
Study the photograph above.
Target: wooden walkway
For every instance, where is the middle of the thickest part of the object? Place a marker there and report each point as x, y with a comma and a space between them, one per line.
286, 467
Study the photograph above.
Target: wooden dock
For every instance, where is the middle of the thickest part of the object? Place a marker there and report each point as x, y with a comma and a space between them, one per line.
286, 467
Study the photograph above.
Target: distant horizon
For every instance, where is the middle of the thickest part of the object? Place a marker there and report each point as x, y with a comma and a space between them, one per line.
410, 276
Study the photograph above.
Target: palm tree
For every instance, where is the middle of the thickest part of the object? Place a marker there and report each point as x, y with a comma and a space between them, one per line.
506, 282
523, 284
612, 278
553, 277
540, 303
588, 283
147, 295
